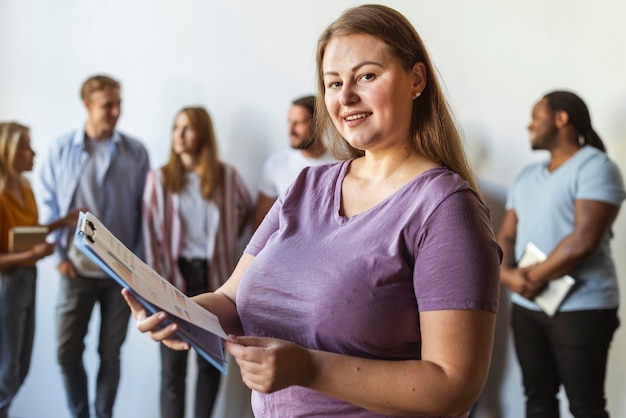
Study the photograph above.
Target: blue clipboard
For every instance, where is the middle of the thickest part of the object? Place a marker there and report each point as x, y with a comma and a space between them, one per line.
197, 326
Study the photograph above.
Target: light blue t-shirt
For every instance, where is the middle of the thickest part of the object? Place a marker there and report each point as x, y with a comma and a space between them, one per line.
544, 204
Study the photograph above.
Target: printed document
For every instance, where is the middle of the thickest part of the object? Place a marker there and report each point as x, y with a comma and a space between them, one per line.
199, 327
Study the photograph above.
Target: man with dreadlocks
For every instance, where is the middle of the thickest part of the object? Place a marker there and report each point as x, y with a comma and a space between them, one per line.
566, 206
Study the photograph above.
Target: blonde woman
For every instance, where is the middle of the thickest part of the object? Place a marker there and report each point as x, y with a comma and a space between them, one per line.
195, 209
18, 272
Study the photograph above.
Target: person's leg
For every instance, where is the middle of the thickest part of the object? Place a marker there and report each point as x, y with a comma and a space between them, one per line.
77, 298
581, 340
173, 382
114, 314
17, 322
208, 378
207, 386
539, 371
29, 293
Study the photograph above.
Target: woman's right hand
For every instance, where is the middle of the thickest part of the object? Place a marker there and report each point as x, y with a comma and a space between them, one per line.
153, 325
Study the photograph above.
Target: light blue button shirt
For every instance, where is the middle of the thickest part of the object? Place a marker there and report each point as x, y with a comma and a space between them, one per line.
121, 188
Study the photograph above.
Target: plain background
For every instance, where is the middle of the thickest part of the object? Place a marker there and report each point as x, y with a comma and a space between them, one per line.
245, 61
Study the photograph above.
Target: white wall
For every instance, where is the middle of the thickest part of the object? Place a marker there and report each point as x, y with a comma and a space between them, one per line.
245, 60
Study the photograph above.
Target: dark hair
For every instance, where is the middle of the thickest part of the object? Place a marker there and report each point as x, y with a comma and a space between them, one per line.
576, 109
433, 129
308, 102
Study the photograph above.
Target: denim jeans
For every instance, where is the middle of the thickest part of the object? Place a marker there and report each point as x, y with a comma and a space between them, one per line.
17, 330
570, 348
78, 297
174, 363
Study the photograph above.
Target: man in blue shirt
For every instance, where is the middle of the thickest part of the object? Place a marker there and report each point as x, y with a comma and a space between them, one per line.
103, 171
565, 206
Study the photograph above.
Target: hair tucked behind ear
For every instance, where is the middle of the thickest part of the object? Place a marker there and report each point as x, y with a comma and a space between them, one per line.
435, 134
576, 109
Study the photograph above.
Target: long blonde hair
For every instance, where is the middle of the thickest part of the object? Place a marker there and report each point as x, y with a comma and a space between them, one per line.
10, 135
209, 166
434, 132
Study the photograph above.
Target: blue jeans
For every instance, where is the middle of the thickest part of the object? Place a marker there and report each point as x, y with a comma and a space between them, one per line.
18, 287
570, 348
78, 297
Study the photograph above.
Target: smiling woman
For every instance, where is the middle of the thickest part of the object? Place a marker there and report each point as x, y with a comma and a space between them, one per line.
370, 289
369, 42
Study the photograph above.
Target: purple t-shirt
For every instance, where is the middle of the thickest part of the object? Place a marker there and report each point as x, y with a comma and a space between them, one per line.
356, 285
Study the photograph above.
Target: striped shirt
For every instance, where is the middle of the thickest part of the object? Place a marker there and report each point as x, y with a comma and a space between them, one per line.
162, 229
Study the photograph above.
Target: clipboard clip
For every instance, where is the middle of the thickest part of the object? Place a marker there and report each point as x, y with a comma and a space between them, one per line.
88, 229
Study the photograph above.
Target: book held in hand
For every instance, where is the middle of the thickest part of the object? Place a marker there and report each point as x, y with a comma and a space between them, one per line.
556, 290
23, 238
196, 325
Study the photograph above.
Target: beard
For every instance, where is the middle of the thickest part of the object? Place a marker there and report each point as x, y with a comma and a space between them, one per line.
305, 144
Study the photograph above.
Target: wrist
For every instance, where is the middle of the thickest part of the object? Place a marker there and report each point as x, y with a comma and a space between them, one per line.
314, 364
533, 277
506, 273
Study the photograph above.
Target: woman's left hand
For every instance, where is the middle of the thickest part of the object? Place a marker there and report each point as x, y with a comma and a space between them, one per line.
270, 364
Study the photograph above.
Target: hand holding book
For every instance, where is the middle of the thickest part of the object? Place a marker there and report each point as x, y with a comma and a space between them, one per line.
554, 293
23, 238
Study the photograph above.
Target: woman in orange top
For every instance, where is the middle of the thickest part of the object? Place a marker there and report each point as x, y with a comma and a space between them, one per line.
18, 269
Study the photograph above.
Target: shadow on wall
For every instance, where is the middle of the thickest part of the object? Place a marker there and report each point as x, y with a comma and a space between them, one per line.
477, 142
249, 142
615, 140
616, 134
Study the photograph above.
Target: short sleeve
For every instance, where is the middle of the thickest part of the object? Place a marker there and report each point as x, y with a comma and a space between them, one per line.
457, 264
265, 230
600, 179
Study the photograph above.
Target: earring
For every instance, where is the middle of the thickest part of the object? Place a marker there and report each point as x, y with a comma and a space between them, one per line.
418, 94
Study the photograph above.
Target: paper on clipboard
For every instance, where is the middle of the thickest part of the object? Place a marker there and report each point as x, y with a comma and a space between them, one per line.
556, 290
199, 327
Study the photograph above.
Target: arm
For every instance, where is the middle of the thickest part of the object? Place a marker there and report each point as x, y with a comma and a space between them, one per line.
513, 277
70, 220
456, 352
37, 252
263, 205
41, 250
592, 219
65, 267
48, 205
